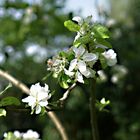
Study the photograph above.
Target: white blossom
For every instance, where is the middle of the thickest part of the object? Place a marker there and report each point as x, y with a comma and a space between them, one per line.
38, 97
5, 135
110, 57
30, 135
79, 64
104, 102
17, 134
78, 19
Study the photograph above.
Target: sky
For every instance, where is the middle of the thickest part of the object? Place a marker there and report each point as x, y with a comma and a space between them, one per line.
87, 7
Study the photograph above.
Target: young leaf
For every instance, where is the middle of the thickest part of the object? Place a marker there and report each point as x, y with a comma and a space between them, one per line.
82, 40
2, 112
63, 81
103, 42
100, 31
72, 26
9, 101
103, 61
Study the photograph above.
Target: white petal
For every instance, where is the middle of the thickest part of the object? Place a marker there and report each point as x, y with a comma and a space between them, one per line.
17, 134
110, 57
42, 95
79, 51
90, 57
30, 134
79, 77
111, 62
69, 73
78, 19
73, 64
89, 73
110, 54
34, 89
43, 103
37, 109
46, 88
31, 100
81, 66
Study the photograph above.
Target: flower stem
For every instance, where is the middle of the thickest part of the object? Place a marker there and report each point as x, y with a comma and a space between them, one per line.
93, 117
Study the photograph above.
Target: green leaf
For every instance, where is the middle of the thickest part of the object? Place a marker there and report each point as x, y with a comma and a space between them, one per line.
100, 50
9, 101
103, 61
63, 54
100, 31
9, 86
72, 26
82, 40
63, 81
2, 112
103, 42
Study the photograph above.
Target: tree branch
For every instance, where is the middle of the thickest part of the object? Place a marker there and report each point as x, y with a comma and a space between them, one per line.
66, 94
93, 117
25, 89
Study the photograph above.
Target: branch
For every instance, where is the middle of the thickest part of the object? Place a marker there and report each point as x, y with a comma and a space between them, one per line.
93, 117
66, 94
25, 89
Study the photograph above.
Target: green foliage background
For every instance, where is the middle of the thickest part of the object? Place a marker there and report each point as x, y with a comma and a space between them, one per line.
41, 27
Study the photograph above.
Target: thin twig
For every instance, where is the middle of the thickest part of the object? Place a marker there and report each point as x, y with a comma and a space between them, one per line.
66, 94
25, 89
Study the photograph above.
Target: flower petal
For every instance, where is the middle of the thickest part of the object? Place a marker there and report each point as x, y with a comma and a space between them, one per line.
79, 77
46, 88
110, 57
73, 64
89, 73
69, 73
42, 95
81, 66
43, 103
34, 89
78, 51
78, 19
89, 57
37, 109
30, 100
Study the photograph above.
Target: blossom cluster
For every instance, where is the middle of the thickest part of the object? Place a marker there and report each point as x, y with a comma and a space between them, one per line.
89, 49
86, 58
16, 135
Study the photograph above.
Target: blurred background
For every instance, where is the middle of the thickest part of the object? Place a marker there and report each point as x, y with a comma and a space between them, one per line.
31, 31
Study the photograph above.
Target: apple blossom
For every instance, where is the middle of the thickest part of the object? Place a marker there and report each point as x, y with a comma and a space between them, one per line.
110, 57
30, 135
79, 64
38, 97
